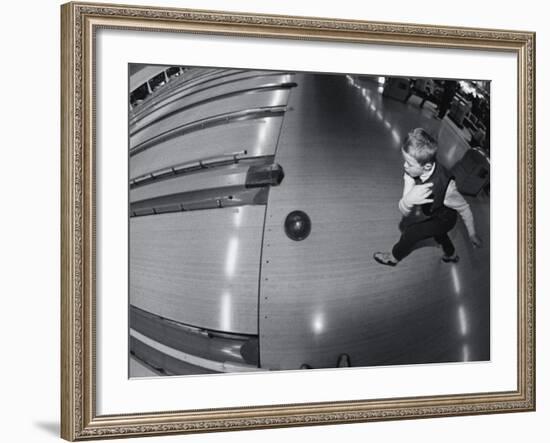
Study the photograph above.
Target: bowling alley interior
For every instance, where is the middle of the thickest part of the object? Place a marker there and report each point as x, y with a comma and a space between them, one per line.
265, 208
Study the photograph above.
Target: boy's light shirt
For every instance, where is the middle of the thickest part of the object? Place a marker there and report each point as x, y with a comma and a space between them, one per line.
453, 200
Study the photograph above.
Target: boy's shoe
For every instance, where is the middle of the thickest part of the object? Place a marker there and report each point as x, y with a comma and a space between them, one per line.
450, 258
385, 258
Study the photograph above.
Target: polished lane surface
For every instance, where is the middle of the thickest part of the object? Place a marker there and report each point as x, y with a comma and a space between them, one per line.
325, 295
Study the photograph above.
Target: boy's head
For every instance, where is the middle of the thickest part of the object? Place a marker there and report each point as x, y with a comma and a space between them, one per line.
419, 152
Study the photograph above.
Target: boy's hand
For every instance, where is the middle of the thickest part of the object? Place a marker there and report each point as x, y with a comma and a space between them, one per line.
419, 195
476, 241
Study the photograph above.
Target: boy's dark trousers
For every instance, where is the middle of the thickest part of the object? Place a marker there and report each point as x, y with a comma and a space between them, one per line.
436, 226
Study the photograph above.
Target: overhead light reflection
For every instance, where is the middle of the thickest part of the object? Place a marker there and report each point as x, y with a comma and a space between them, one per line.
278, 97
226, 311
262, 135
465, 353
396, 136
456, 280
238, 217
318, 324
231, 352
462, 320
231, 257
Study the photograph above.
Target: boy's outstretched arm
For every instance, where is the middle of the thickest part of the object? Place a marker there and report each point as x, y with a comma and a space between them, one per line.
455, 200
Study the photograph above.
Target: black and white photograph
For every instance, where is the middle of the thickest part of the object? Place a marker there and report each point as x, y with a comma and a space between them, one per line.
306, 220
276, 221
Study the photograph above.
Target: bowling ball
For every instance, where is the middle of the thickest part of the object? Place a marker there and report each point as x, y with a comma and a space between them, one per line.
297, 225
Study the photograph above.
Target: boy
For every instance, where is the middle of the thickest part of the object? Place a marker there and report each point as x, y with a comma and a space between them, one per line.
430, 202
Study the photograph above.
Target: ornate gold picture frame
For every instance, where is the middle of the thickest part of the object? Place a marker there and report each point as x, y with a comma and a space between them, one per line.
79, 388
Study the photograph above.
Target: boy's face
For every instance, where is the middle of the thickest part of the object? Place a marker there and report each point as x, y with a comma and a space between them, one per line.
412, 167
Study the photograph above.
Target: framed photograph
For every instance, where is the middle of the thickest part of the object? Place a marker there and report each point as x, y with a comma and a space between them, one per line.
283, 221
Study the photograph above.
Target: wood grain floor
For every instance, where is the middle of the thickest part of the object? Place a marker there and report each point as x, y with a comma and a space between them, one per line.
325, 295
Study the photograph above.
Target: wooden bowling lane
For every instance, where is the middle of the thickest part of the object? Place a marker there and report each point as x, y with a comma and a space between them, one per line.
248, 138
230, 104
325, 295
222, 177
190, 81
200, 268
190, 97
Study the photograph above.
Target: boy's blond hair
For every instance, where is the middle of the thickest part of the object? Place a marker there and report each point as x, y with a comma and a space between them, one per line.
421, 146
